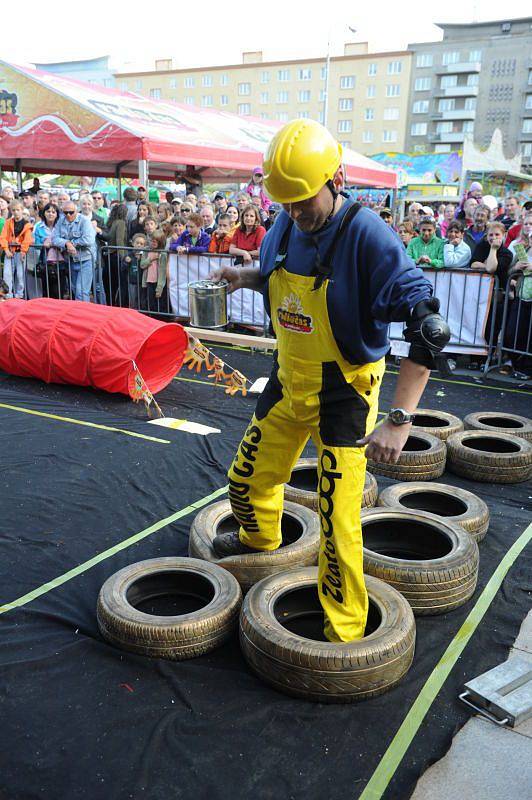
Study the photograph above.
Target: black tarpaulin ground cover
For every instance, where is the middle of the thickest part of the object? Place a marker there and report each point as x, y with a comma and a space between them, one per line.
80, 719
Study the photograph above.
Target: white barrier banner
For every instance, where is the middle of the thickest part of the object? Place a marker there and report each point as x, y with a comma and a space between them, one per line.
465, 298
245, 306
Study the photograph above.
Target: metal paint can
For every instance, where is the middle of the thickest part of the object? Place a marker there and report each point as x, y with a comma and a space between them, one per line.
207, 302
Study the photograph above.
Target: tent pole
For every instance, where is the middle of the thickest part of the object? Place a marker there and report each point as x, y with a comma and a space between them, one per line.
19, 174
119, 179
143, 173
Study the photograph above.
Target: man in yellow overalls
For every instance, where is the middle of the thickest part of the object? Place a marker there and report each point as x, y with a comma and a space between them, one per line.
333, 276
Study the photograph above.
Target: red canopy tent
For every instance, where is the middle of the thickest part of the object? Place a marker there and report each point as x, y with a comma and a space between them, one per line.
49, 123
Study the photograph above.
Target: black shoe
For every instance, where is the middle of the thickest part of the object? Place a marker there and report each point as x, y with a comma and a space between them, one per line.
229, 544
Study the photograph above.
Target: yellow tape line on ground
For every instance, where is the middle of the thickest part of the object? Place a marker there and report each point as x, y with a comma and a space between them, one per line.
82, 422
73, 573
403, 738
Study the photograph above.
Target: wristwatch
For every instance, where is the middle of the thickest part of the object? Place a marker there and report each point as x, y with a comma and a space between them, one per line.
399, 416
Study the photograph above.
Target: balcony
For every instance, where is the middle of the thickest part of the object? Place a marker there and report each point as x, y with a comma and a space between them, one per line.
458, 113
460, 68
457, 91
446, 138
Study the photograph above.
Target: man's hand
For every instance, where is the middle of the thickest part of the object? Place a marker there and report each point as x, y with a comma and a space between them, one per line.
423, 260
230, 274
70, 249
385, 442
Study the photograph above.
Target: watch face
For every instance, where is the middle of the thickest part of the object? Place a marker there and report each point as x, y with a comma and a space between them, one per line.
397, 416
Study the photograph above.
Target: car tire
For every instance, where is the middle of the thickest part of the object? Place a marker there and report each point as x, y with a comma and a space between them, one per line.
422, 459
490, 457
313, 668
438, 423
304, 488
498, 422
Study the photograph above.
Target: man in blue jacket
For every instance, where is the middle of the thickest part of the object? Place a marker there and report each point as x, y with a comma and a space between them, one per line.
75, 235
333, 276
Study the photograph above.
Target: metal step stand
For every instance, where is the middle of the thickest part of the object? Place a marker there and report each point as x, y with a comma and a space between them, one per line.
503, 694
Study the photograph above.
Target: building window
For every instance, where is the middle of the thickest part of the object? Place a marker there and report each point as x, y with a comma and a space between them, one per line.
391, 114
346, 104
394, 67
302, 114
345, 126
369, 114
422, 85
304, 74
528, 101
448, 81
189, 82
450, 58
444, 127
224, 79
372, 69
446, 104
243, 109
468, 126
475, 55
527, 126
244, 88
155, 94
264, 115
138, 85
371, 91
282, 116
283, 75
303, 96
206, 81
108, 82
420, 107
206, 100
321, 117
526, 150
471, 104
264, 98
418, 129
473, 80
173, 83
424, 60
189, 100
389, 136
224, 100
347, 82
124, 87
442, 148
265, 76
367, 137
345, 144
282, 97
323, 95
530, 78
393, 90
323, 73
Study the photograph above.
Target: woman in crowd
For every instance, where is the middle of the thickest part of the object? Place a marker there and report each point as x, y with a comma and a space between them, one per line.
518, 329
137, 225
406, 232
50, 266
234, 217
448, 216
114, 271
456, 253
164, 215
492, 257
255, 188
248, 236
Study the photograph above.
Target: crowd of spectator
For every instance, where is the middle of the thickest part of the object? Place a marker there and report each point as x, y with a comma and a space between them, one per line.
120, 255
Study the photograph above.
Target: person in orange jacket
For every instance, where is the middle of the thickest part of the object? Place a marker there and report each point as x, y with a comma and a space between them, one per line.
221, 238
15, 241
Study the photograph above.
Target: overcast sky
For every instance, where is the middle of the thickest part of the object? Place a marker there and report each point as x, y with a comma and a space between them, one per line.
135, 33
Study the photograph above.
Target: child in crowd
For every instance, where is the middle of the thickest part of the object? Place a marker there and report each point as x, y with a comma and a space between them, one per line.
153, 266
406, 232
194, 239
426, 249
150, 226
255, 188
456, 253
178, 226
15, 241
132, 260
221, 238
248, 237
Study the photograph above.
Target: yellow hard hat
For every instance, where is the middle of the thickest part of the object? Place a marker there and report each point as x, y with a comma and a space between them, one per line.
300, 159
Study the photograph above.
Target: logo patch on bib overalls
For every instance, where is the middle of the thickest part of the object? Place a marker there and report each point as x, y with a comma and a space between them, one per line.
291, 315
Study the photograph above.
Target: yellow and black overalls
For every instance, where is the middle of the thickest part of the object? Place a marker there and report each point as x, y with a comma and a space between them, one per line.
312, 391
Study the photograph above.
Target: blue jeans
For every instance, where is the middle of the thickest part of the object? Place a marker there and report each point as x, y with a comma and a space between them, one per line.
81, 277
15, 274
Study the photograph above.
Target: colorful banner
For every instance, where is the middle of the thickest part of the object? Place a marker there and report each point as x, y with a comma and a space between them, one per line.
423, 168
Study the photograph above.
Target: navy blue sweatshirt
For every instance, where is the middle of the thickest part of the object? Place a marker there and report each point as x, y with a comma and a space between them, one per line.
373, 281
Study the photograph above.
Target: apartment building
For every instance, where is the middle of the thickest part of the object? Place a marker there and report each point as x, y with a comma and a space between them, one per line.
478, 78
368, 92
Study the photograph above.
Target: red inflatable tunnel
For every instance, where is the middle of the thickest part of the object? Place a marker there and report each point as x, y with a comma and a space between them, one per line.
62, 341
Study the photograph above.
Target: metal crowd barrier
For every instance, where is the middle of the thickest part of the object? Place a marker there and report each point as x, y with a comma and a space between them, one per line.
516, 328
33, 274
470, 301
